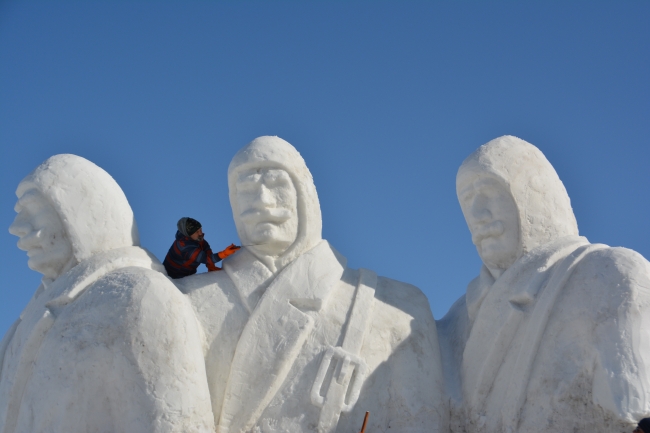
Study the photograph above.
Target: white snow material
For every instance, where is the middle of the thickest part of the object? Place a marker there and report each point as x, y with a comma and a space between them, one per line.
94, 210
270, 319
106, 344
268, 152
557, 340
544, 207
552, 335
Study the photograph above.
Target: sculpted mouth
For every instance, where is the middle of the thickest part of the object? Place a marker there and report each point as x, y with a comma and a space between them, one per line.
490, 230
271, 216
32, 249
31, 244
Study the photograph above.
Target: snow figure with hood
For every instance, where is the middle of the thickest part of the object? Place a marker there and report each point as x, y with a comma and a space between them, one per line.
107, 343
295, 341
554, 333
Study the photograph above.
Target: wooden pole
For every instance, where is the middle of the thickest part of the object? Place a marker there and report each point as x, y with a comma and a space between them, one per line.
365, 421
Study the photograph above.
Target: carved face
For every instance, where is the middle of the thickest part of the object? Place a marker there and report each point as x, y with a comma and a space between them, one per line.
492, 217
41, 234
267, 202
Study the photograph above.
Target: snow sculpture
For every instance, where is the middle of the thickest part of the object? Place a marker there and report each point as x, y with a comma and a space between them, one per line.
107, 343
553, 335
294, 340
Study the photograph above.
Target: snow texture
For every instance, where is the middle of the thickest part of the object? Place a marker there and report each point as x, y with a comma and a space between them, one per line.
107, 343
551, 336
287, 307
94, 210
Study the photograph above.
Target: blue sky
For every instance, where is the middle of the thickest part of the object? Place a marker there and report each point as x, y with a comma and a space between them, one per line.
383, 99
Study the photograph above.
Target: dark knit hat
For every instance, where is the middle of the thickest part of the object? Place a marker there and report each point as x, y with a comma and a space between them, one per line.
644, 425
188, 226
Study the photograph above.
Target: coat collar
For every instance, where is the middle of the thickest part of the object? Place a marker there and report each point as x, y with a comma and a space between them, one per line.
535, 262
73, 283
476, 291
250, 276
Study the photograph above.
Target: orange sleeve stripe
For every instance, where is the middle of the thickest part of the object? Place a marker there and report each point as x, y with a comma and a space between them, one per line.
193, 257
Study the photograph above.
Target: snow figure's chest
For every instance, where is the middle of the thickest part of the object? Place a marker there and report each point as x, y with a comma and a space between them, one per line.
31, 316
291, 409
19, 357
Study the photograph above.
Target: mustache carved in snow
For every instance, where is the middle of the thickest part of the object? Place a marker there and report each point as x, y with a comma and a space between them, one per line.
490, 230
273, 215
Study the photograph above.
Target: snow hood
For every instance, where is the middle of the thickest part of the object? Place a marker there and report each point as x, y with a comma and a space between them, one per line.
274, 152
92, 206
544, 207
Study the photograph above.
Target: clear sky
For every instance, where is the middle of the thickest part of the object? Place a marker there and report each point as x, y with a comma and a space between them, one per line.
384, 100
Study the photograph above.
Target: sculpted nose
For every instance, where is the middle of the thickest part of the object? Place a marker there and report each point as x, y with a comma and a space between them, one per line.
265, 197
20, 227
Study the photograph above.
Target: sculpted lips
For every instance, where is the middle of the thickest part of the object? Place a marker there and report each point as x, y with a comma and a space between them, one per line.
484, 231
30, 243
273, 215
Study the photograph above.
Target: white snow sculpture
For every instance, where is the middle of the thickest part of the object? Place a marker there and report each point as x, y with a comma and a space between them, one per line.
107, 343
554, 333
294, 340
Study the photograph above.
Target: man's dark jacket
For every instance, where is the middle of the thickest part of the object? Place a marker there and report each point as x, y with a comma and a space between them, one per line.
186, 254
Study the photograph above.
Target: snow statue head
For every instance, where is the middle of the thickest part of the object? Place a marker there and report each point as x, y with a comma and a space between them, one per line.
512, 200
274, 201
69, 209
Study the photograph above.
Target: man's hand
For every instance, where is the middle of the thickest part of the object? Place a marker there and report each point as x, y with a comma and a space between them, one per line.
229, 251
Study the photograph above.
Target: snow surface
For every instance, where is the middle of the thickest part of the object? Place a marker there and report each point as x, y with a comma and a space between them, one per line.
552, 335
107, 343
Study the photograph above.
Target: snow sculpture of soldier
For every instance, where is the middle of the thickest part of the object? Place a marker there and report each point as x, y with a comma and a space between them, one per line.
107, 343
295, 341
554, 333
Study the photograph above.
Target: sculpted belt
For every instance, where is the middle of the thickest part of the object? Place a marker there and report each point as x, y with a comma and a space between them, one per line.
350, 371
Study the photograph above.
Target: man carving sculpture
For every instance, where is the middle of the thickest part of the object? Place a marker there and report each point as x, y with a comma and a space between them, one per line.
107, 343
553, 335
294, 340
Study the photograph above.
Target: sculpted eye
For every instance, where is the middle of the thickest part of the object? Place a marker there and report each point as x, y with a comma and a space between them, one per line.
246, 186
249, 177
277, 181
276, 178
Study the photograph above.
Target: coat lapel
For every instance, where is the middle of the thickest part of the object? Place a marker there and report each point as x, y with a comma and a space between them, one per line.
500, 316
275, 333
250, 276
535, 327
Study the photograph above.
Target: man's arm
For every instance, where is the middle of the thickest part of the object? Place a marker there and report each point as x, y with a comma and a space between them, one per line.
211, 258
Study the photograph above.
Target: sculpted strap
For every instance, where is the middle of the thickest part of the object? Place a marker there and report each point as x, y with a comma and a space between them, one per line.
347, 359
